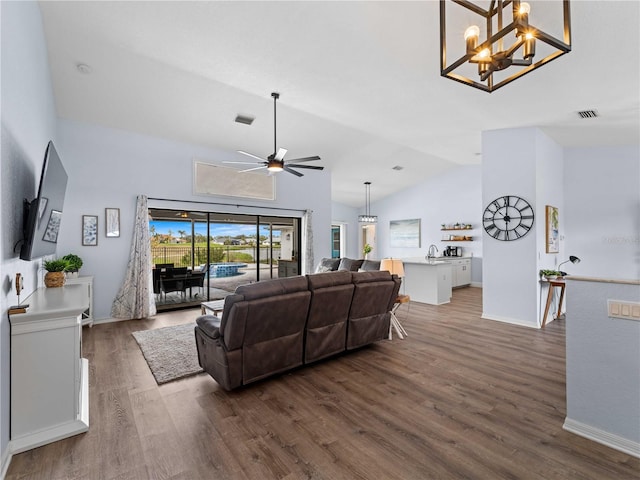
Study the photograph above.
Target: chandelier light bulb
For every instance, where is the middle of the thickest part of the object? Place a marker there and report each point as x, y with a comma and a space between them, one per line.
485, 53
525, 8
472, 31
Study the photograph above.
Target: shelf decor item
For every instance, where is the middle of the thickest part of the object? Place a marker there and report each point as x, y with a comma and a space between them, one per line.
55, 272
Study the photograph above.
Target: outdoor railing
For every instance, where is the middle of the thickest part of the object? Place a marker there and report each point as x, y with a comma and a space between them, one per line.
181, 256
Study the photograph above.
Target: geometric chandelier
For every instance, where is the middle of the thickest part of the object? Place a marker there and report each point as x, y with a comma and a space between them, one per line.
499, 41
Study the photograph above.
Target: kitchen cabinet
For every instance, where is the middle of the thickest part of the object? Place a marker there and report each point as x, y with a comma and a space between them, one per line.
428, 281
460, 272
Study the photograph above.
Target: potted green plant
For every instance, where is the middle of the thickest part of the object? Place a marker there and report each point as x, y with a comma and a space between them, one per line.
366, 250
74, 263
55, 272
550, 274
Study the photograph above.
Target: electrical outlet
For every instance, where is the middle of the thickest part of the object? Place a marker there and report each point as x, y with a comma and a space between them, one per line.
623, 309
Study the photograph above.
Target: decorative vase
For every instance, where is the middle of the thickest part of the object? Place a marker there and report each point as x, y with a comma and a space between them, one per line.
54, 279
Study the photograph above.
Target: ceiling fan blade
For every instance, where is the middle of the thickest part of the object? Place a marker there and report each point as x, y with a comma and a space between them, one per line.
312, 167
251, 169
251, 155
305, 159
244, 163
287, 169
280, 155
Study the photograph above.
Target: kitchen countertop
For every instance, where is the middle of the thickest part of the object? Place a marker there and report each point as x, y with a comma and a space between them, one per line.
434, 260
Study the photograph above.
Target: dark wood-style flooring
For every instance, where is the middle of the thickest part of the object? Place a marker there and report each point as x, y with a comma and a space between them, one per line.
460, 398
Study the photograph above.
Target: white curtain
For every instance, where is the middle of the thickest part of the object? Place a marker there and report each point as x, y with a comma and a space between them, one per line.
307, 242
135, 298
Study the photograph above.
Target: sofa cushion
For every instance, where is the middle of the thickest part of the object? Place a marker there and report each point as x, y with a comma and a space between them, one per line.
270, 288
331, 295
350, 264
369, 265
328, 265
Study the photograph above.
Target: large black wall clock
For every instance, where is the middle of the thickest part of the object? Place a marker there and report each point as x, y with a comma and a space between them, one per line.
508, 218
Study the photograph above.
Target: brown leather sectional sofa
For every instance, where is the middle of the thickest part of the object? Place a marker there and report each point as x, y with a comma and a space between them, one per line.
276, 325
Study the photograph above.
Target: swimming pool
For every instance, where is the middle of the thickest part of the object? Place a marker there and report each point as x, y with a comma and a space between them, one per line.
220, 270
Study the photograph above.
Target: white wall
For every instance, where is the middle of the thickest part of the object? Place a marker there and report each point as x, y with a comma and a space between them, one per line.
449, 197
603, 371
602, 211
526, 163
109, 168
28, 123
348, 216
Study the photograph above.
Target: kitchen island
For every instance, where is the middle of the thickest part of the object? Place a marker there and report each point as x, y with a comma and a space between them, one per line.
427, 281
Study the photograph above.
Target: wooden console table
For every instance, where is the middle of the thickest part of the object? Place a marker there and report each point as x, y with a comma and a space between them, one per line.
553, 284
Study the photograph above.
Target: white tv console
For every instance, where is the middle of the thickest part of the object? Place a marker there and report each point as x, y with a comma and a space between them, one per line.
49, 377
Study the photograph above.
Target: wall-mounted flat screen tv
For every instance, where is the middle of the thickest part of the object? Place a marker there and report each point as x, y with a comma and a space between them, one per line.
43, 215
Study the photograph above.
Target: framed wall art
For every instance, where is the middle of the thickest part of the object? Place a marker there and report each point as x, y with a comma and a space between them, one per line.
552, 236
90, 230
404, 233
112, 222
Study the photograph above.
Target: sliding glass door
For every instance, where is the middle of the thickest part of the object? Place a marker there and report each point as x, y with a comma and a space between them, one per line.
200, 256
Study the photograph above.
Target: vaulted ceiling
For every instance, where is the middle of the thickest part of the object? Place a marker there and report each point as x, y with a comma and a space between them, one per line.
359, 81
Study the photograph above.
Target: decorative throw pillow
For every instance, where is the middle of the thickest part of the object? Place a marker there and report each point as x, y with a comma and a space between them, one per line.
370, 265
350, 264
328, 265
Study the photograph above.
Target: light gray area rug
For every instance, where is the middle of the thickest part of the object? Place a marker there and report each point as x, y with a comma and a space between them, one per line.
170, 352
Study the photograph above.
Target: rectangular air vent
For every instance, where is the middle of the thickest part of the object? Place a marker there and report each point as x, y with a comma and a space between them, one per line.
397, 167
588, 114
245, 119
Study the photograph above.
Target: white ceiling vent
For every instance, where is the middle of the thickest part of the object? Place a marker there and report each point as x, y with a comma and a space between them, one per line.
588, 114
397, 167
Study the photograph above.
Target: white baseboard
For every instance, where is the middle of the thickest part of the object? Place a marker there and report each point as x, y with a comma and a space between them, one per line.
513, 321
5, 461
476, 284
605, 438
108, 320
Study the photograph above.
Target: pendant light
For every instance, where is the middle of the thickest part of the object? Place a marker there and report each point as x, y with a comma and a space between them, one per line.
367, 217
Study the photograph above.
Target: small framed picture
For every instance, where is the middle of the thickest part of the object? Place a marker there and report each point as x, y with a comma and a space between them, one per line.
90, 230
112, 222
53, 227
552, 229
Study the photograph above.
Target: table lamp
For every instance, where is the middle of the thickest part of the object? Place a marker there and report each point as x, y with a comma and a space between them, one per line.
572, 259
392, 265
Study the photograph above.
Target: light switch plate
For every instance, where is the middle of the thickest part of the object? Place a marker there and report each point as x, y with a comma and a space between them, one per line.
623, 309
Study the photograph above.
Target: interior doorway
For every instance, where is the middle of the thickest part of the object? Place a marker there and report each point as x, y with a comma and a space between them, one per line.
338, 240
368, 237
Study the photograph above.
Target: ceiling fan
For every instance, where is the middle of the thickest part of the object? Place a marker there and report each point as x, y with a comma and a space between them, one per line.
275, 162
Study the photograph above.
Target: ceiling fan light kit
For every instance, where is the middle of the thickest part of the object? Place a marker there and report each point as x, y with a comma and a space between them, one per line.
501, 47
275, 162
